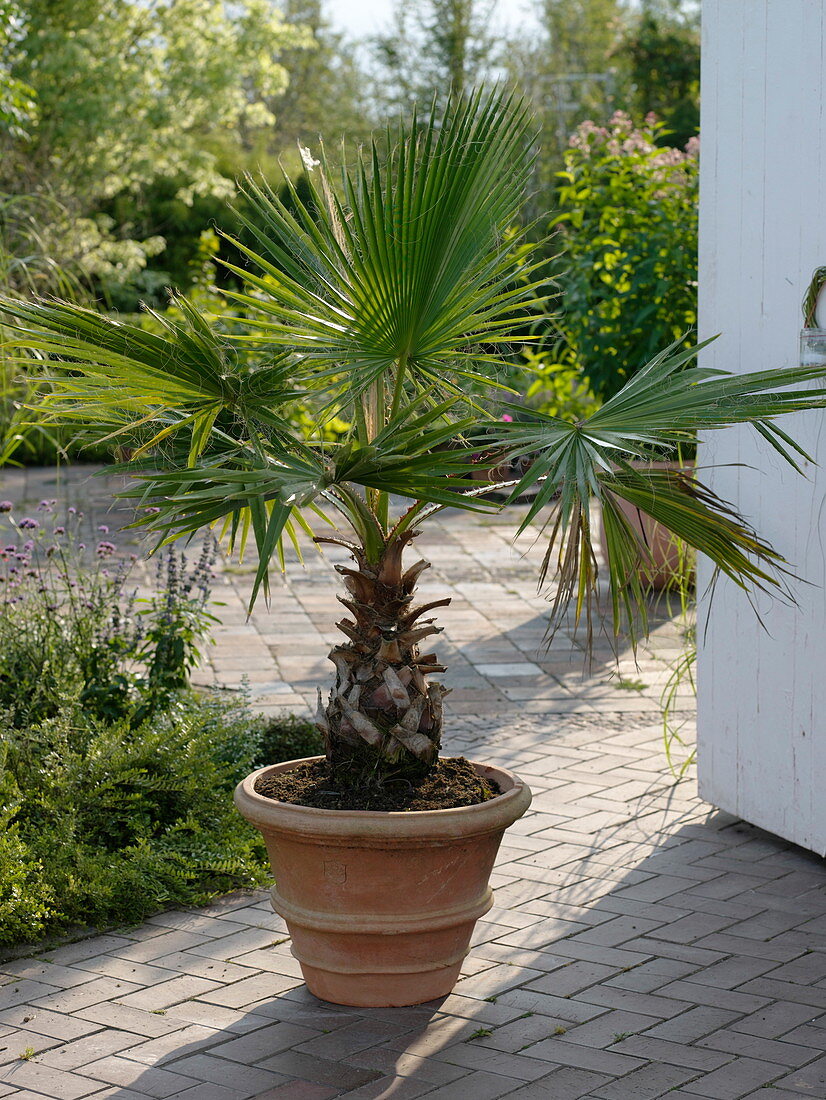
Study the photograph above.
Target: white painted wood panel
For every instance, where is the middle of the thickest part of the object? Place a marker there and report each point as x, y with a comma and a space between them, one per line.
762, 694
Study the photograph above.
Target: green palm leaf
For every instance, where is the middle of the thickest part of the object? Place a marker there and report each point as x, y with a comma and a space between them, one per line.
411, 269
660, 408
120, 374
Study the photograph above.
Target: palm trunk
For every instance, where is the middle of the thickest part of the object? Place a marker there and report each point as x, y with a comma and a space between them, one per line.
383, 720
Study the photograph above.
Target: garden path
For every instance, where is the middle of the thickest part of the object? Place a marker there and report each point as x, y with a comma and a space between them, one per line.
642, 944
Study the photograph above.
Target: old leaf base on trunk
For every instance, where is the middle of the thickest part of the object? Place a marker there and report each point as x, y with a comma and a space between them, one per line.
383, 721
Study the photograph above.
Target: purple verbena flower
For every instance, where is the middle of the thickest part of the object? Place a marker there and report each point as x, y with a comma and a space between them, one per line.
28, 524
60, 530
104, 530
104, 549
6, 506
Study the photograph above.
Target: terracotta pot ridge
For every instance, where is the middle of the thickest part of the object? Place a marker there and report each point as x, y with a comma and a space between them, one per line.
334, 922
390, 974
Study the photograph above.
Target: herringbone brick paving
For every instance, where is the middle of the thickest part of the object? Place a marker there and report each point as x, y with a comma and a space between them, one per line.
642, 944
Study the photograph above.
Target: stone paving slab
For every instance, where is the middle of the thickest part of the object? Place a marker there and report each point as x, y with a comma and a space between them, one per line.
642, 944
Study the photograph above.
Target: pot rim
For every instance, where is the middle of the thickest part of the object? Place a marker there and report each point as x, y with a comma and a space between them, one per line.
272, 816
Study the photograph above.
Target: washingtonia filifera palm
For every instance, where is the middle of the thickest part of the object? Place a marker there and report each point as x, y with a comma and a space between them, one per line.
385, 300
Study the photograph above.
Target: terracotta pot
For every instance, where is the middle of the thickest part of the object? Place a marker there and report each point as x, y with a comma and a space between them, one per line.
381, 906
661, 565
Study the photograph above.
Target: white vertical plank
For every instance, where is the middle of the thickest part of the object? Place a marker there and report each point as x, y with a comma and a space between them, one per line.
762, 695
721, 210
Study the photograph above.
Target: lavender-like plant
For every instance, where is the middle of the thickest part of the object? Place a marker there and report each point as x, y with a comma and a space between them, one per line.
71, 627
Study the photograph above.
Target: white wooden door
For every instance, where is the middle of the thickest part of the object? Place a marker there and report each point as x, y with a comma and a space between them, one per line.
762, 693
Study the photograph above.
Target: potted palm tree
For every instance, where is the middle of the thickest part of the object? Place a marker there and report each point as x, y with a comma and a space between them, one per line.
386, 300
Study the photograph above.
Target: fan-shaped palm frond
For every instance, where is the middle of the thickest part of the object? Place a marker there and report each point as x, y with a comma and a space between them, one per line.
661, 407
411, 269
121, 375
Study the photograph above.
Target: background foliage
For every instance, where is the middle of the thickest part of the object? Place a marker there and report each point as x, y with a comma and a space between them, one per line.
130, 122
127, 94
628, 215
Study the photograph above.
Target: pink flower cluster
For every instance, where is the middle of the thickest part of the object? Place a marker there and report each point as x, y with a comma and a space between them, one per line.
621, 138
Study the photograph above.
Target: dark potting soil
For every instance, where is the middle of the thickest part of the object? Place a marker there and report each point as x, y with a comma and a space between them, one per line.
453, 782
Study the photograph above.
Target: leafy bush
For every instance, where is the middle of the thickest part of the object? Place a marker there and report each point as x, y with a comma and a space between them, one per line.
25, 899
628, 216
113, 823
106, 823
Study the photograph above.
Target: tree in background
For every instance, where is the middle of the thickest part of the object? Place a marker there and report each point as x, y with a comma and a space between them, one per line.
128, 93
569, 73
570, 68
18, 107
581, 34
433, 46
593, 57
662, 54
326, 89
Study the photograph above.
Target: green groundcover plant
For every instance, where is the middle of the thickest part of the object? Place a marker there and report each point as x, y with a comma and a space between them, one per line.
390, 297
104, 823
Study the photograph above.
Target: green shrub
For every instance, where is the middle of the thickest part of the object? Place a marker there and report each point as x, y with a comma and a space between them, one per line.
628, 217
25, 898
554, 385
106, 823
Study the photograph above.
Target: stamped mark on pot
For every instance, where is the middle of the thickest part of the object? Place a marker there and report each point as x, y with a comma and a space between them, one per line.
335, 871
